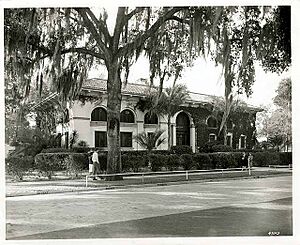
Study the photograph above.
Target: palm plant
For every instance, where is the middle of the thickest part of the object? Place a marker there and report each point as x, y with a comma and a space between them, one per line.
150, 141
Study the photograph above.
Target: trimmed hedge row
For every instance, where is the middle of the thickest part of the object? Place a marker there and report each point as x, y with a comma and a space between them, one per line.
73, 163
135, 161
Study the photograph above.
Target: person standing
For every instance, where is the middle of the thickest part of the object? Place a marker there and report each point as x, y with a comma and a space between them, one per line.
90, 162
250, 160
95, 159
244, 160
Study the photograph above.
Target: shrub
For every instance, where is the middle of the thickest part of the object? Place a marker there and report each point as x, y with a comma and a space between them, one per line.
223, 160
157, 161
19, 165
73, 163
79, 149
132, 163
181, 149
102, 160
238, 158
221, 148
285, 158
202, 161
187, 161
173, 162
76, 162
47, 163
82, 144
207, 147
56, 150
264, 159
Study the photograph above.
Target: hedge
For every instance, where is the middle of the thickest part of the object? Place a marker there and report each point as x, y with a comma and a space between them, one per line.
73, 163
187, 161
202, 161
19, 165
136, 161
181, 149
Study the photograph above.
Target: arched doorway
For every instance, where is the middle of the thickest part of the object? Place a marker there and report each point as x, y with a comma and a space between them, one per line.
182, 129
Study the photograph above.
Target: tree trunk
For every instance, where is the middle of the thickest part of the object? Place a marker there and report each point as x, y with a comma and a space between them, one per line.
113, 120
225, 134
169, 133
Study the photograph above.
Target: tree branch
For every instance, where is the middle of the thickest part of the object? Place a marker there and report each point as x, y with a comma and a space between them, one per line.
90, 26
80, 50
132, 13
101, 25
179, 20
118, 27
139, 41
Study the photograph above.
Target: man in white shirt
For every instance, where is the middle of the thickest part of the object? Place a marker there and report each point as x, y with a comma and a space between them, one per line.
96, 165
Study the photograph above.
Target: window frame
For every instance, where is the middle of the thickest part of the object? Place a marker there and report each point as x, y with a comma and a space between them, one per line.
147, 116
212, 117
125, 140
105, 138
245, 141
100, 117
127, 121
212, 134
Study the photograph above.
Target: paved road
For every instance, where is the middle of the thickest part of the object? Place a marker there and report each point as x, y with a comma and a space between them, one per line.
245, 207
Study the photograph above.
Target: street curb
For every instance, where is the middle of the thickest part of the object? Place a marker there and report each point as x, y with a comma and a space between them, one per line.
116, 187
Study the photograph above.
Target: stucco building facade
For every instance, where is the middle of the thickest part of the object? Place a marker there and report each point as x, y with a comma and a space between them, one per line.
194, 124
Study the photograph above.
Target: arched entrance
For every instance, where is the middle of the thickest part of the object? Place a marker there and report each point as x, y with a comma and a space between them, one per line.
182, 129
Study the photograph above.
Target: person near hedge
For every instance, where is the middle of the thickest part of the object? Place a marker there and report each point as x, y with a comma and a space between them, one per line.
96, 164
90, 153
244, 161
250, 160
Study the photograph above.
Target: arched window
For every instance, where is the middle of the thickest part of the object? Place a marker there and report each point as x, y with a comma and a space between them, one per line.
211, 122
127, 116
150, 118
99, 114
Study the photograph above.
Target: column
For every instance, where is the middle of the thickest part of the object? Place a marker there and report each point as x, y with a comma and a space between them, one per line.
192, 137
173, 126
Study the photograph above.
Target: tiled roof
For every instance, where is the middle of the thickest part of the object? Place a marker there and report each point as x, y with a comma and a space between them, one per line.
143, 89
133, 89
140, 90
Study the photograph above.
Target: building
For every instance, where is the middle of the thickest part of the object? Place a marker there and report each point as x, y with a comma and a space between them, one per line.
194, 124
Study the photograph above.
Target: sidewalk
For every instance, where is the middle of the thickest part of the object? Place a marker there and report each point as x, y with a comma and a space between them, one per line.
21, 188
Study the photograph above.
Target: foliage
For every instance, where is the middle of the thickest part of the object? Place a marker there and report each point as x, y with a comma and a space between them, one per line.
18, 165
48, 163
157, 161
82, 143
221, 148
223, 160
151, 140
75, 163
264, 159
173, 162
208, 146
56, 150
187, 161
181, 149
278, 126
202, 161
286, 158
132, 163
73, 138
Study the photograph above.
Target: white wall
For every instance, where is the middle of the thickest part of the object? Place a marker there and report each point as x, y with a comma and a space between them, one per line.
80, 116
